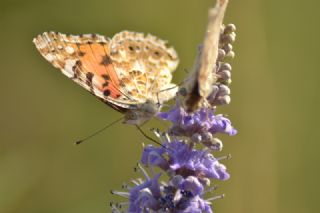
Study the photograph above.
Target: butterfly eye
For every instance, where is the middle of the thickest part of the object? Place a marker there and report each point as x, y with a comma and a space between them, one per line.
131, 116
183, 91
151, 107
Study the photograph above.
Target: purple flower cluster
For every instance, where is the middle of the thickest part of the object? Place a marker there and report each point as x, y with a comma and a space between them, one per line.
177, 175
200, 126
180, 195
189, 170
177, 157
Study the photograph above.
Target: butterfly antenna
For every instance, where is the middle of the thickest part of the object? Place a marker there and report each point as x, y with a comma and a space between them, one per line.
97, 132
158, 103
148, 137
170, 88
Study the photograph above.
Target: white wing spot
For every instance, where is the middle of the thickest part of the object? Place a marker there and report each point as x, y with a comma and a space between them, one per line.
39, 45
69, 50
68, 68
49, 57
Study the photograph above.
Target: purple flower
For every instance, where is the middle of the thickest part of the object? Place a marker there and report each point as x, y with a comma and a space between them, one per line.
200, 125
180, 195
179, 158
184, 155
195, 205
145, 196
189, 169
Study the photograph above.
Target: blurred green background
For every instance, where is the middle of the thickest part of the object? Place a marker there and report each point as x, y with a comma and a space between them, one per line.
274, 105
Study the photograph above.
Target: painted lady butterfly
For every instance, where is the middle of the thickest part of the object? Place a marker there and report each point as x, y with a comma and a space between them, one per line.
201, 79
131, 72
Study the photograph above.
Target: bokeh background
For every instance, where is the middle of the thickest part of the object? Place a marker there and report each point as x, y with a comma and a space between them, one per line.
275, 103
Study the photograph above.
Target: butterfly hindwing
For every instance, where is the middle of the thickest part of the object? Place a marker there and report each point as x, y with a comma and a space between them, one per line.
144, 64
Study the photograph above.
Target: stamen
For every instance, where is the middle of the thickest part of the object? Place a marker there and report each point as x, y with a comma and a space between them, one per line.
167, 137
122, 194
114, 209
126, 186
136, 182
226, 157
122, 204
156, 131
215, 198
143, 171
211, 189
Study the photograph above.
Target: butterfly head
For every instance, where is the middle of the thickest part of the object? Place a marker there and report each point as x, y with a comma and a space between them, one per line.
142, 113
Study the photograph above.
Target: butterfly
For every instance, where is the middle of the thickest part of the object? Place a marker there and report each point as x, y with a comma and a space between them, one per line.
199, 83
130, 72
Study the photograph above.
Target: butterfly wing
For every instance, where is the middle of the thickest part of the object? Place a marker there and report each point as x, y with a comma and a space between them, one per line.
85, 59
127, 72
144, 65
200, 83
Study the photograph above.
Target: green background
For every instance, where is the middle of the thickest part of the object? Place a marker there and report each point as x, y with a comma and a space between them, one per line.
275, 164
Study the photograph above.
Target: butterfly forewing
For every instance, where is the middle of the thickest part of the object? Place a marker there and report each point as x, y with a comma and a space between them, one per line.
125, 72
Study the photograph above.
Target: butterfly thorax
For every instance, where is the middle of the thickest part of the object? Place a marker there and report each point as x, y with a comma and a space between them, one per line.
142, 113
